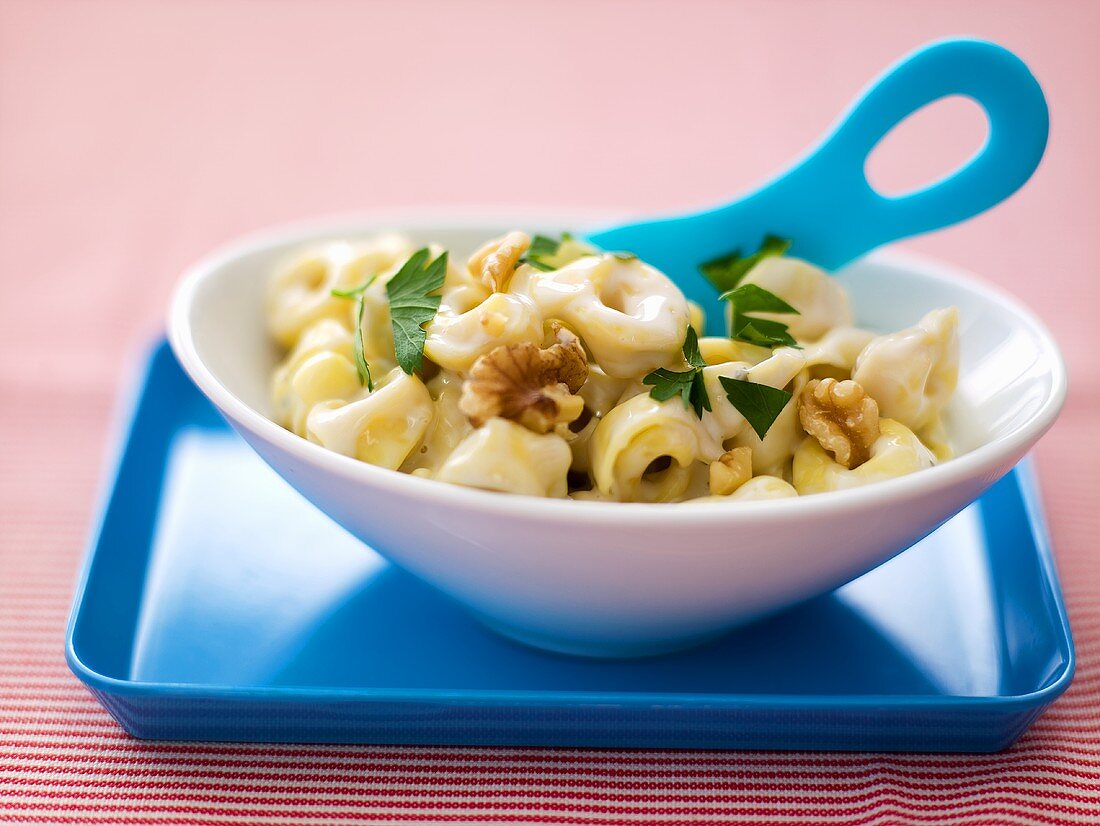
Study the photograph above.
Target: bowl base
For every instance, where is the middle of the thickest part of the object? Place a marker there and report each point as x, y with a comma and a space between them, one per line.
596, 649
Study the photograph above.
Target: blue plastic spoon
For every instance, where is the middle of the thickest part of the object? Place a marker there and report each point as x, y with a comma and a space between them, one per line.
825, 204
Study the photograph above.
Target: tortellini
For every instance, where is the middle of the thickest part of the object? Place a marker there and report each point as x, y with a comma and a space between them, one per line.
644, 449
764, 487
448, 427
320, 367
301, 293
719, 350
538, 377
456, 339
504, 456
912, 373
757, 489
896, 452
821, 302
631, 316
725, 421
600, 393
834, 354
382, 428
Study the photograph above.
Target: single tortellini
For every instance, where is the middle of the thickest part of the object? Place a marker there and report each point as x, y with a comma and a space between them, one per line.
507, 457
819, 298
600, 393
763, 487
449, 426
758, 488
935, 436
896, 452
630, 316
643, 450
720, 349
724, 421
457, 338
834, 354
301, 292
462, 289
320, 367
382, 428
323, 377
912, 373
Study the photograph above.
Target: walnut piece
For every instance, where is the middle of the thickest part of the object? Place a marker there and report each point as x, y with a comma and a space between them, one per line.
495, 262
732, 469
528, 385
842, 417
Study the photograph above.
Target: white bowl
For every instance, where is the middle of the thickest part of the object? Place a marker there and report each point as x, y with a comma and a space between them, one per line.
610, 579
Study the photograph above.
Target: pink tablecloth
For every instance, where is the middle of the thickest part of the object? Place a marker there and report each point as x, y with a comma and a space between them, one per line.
134, 136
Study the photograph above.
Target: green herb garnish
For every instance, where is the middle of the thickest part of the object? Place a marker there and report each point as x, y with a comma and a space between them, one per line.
412, 305
687, 384
543, 246
726, 272
355, 292
763, 332
361, 366
760, 404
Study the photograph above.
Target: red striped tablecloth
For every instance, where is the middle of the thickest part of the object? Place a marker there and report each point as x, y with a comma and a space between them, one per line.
135, 136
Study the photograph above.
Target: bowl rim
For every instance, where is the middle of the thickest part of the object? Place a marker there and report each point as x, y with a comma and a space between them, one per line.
978, 462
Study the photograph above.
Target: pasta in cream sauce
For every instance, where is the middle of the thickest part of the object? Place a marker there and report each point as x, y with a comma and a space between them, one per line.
559, 370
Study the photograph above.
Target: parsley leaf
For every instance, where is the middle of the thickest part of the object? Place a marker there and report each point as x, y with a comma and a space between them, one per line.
361, 366
412, 305
763, 332
726, 272
687, 384
667, 383
749, 298
542, 247
691, 350
544, 250
355, 292
758, 403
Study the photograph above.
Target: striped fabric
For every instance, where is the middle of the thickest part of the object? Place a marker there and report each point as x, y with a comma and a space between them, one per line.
134, 136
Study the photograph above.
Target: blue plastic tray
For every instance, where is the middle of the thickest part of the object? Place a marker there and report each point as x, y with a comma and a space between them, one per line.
216, 604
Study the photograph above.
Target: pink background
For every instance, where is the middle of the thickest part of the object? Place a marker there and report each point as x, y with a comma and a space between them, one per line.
135, 136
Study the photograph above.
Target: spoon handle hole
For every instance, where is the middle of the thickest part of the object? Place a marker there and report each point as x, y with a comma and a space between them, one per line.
989, 76
944, 135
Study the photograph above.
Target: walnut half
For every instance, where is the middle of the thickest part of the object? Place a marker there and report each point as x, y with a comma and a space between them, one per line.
842, 417
495, 262
528, 385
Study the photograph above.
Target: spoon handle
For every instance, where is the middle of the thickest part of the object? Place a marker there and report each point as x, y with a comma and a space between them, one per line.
824, 202
860, 218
